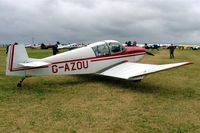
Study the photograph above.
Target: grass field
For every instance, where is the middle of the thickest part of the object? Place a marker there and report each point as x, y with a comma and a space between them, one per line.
163, 102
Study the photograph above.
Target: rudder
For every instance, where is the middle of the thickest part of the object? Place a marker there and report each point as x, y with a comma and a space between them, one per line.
16, 54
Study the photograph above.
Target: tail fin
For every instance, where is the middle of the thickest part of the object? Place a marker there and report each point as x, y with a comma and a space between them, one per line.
16, 54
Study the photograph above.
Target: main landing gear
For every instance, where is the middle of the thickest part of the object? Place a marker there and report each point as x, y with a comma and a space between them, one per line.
20, 82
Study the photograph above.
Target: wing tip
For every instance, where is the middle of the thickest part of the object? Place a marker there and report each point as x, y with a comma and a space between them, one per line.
187, 63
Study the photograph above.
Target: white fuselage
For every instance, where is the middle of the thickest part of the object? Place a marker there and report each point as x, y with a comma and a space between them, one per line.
81, 61
91, 59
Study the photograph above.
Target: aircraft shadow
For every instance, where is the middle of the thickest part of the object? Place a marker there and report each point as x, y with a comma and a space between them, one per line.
138, 87
143, 87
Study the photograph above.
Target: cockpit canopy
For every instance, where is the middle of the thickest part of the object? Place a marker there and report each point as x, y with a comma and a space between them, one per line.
107, 47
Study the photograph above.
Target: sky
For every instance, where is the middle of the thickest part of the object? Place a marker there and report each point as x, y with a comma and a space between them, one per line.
68, 21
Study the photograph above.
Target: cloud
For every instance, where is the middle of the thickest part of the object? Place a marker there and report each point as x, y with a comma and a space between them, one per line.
93, 20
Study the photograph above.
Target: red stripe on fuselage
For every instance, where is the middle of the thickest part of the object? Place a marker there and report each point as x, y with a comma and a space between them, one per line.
12, 57
97, 59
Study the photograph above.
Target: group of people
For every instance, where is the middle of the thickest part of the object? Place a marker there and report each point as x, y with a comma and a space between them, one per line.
129, 43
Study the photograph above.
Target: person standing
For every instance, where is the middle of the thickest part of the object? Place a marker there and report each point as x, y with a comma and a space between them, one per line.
7, 48
55, 48
171, 51
134, 43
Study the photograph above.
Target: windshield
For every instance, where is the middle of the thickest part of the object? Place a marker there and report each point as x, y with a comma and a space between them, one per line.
108, 49
116, 48
101, 50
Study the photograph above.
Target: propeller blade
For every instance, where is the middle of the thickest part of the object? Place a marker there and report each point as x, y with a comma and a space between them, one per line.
149, 53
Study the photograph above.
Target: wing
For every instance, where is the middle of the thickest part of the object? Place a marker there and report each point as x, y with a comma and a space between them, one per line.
130, 70
34, 64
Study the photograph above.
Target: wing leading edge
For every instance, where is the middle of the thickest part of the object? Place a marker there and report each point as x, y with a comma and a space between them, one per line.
130, 70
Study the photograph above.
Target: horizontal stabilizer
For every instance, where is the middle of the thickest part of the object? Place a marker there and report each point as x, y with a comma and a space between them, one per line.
35, 64
130, 70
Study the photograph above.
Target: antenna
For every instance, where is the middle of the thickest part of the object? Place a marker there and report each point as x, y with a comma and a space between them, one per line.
33, 40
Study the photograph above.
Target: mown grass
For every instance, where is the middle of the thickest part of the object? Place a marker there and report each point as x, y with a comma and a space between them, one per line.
163, 102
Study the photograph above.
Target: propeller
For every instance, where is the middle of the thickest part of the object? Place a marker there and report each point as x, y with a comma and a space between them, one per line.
149, 53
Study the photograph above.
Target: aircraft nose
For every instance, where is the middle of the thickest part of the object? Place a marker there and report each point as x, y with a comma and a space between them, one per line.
135, 49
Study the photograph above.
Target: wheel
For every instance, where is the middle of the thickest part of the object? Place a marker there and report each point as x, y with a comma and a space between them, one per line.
19, 85
137, 81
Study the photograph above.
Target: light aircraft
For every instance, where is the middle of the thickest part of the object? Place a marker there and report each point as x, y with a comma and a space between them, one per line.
108, 58
69, 46
74, 46
62, 46
35, 46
